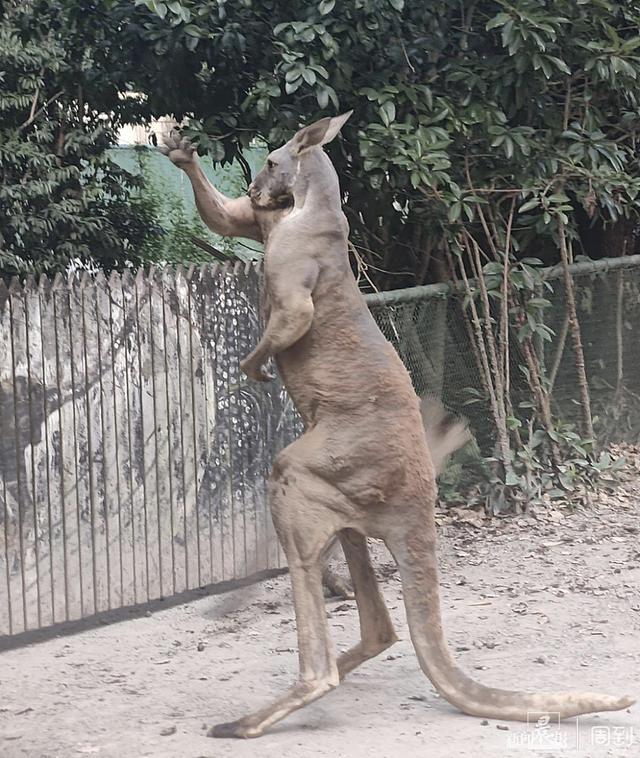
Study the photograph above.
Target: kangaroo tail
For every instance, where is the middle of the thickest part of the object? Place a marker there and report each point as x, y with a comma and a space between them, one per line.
415, 554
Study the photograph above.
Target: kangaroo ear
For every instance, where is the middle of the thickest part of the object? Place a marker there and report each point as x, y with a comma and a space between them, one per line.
320, 133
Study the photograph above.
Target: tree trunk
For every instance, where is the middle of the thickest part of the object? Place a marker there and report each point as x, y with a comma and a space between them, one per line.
576, 337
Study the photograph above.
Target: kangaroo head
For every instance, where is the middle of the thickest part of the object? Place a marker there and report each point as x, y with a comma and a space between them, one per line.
273, 188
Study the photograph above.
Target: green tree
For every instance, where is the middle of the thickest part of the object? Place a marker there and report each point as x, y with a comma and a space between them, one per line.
457, 105
61, 83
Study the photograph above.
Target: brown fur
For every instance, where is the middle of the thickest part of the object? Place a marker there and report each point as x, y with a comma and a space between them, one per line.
363, 466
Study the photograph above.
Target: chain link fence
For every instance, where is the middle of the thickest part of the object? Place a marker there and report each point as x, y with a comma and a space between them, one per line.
428, 327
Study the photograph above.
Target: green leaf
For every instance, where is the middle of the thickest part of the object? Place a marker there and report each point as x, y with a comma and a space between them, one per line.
539, 302
454, 212
309, 76
291, 87
387, 112
499, 20
530, 205
191, 43
326, 6
567, 481
560, 65
319, 70
293, 73
508, 147
322, 96
262, 107
333, 97
511, 478
397, 4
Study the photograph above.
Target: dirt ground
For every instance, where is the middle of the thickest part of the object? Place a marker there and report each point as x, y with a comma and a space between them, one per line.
546, 601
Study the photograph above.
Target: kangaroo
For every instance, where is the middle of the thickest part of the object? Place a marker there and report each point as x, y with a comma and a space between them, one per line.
363, 467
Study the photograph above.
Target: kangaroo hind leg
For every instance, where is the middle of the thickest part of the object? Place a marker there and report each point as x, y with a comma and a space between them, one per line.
376, 628
304, 524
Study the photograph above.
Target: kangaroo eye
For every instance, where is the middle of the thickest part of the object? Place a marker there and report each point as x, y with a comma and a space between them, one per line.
270, 163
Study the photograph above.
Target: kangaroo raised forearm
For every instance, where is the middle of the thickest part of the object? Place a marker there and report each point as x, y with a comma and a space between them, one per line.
230, 217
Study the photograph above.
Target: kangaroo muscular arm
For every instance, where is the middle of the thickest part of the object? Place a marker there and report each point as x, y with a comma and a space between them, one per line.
223, 215
290, 317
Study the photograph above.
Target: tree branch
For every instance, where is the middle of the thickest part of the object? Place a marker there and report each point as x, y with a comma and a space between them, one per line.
33, 116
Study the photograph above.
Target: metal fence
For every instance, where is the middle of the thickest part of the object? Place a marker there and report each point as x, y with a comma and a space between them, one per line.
429, 330
134, 453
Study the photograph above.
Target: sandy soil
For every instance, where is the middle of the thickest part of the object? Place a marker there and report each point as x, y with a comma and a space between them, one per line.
547, 601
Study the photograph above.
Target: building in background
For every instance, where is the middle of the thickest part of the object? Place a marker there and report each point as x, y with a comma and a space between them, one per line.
186, 239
